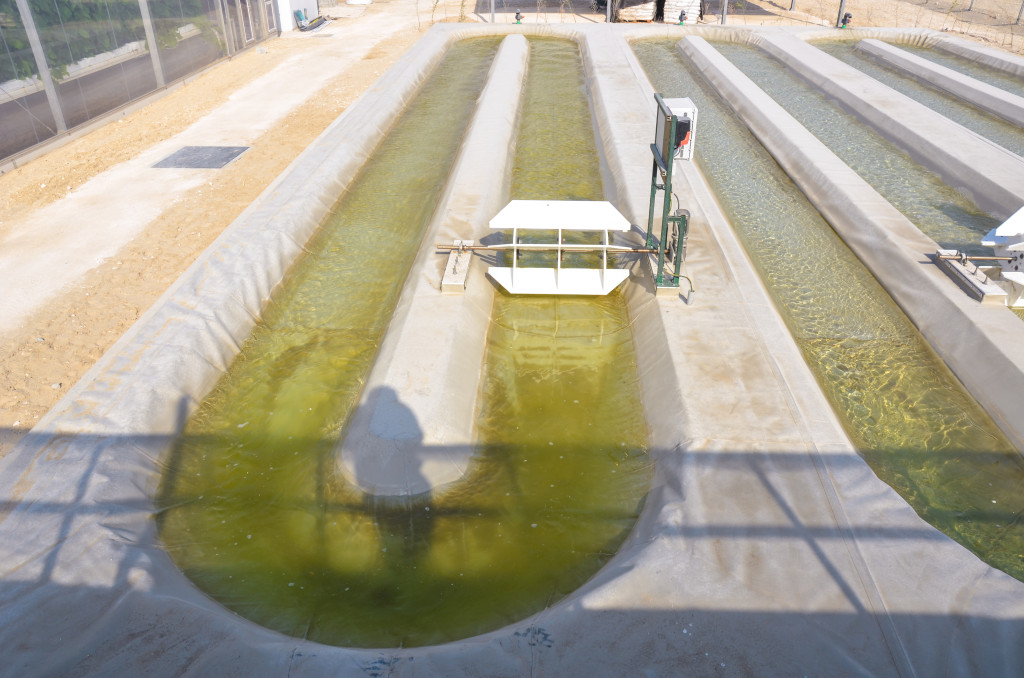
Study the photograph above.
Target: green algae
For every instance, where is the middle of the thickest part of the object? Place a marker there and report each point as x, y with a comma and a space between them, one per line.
250, 507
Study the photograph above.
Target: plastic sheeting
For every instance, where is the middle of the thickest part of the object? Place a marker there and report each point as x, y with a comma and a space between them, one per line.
981, 346
435, 344
766, 547
1008, 106
992, 176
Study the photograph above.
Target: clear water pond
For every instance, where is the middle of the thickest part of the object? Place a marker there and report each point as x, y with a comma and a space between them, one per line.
938, 210
992, 127
909, 417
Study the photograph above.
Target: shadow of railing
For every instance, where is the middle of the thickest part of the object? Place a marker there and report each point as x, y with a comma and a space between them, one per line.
85, 508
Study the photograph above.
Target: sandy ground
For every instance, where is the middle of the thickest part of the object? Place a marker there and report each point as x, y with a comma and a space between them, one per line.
60, 337
46, 353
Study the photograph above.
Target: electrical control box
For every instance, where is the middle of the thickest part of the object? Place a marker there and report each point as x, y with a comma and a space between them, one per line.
677, 128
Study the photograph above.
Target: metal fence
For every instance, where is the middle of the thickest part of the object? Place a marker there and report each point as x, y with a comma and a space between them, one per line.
995, 22
66, 62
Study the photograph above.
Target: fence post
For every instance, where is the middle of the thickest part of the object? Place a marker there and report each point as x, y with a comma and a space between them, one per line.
725, 10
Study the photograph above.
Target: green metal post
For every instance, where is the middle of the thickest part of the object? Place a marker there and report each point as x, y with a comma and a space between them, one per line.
650, 213
684, 225
666, 205
665, 167
842, 10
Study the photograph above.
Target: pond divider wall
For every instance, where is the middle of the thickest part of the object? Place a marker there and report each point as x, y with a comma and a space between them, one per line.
986, 56
990, 175
625, 122
980, 344
433, 351
1007, 106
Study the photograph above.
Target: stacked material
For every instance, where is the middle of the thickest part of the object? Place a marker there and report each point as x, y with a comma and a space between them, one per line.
633, 11
674, 7
647, 11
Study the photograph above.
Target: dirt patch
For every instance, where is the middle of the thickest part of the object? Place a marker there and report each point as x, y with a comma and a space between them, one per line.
51, 351
54, 175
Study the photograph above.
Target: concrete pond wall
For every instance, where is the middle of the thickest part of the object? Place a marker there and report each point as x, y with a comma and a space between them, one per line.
766, 545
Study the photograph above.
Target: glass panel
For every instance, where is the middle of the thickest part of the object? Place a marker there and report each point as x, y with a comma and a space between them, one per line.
25, 116
246, 19
268, 7
96, 52
188, 35
233, 17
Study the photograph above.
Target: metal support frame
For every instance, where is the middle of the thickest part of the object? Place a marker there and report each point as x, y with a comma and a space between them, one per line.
842, 10
225, 25
39, 54
680, 219
154, 52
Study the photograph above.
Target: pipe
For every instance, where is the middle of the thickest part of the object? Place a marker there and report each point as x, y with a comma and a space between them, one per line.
568, 247
972, 258
693, 290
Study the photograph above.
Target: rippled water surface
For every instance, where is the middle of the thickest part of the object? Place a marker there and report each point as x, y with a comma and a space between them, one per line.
938, 210
904, 410
991, 127
250, 507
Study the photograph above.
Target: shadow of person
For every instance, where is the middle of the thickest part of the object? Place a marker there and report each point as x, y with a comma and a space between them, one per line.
403, 519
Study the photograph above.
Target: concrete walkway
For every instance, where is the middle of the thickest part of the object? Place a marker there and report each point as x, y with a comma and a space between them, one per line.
55, 246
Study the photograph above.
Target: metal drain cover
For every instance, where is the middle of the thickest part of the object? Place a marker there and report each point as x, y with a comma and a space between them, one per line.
202, 157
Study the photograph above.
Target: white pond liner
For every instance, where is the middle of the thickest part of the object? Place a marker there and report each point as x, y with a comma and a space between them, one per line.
766, 546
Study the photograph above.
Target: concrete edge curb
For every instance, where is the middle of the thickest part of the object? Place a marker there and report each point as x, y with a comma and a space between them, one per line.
986, 56
1007, 106
992, 176
892, 248
434, 347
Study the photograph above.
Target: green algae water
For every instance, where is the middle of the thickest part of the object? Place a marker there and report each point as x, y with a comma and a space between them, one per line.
563, 369
910, 418
250, 507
